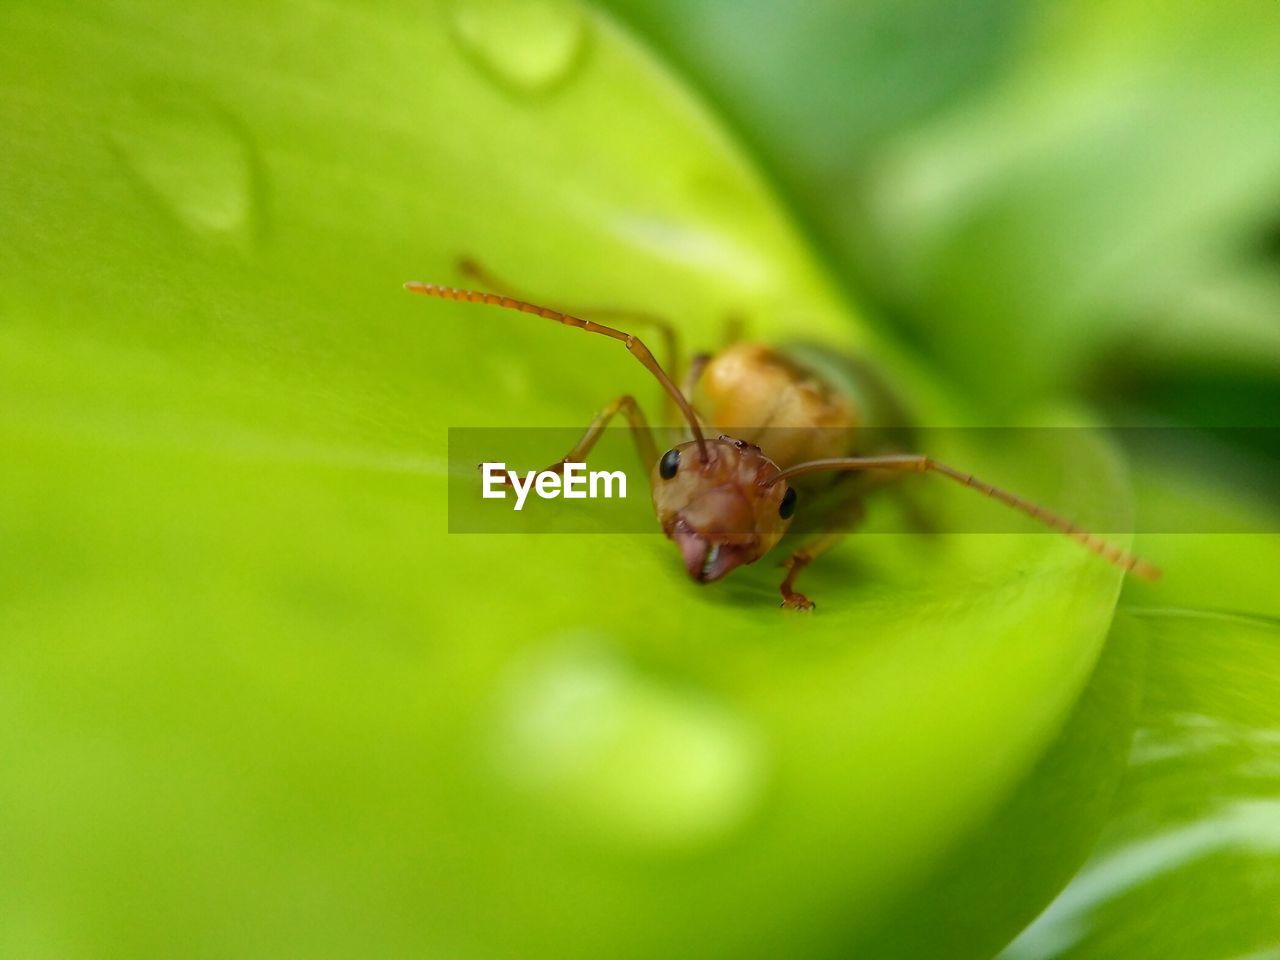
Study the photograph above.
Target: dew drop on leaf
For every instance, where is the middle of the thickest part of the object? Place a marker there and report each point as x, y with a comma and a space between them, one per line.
528, 46
193, 160
626, 758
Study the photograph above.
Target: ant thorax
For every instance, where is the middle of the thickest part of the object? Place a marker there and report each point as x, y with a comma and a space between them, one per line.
762, 396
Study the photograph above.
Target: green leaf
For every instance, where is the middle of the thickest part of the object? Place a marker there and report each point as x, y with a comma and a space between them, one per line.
991, 885
1205, 701
817, 88
1228, 564
1187, 866
1113, 193
254, 699
1053, 184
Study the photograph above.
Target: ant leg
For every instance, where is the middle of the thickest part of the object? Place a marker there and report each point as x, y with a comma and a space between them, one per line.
916, 463
791, 598
640, 432
697, 363
735, 328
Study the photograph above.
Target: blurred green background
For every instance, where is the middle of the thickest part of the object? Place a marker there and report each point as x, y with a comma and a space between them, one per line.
255, 701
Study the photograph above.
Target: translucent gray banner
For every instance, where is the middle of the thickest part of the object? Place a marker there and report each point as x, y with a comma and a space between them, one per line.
511, 480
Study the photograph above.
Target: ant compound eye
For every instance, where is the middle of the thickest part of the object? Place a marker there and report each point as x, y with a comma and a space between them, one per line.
669, 464
788, 505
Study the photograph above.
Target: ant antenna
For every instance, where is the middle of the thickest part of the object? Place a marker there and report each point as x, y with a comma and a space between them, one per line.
919, 464
633, 343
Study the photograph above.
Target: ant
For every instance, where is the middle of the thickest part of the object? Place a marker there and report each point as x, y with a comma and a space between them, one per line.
725, 501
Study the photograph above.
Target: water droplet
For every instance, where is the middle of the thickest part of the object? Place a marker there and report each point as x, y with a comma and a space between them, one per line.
193, 159
625, 757
529, 46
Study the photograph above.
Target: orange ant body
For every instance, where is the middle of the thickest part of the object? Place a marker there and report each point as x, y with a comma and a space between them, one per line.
725, 501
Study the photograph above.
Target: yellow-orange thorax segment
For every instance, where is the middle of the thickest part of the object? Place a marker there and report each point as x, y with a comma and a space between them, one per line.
759, 395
